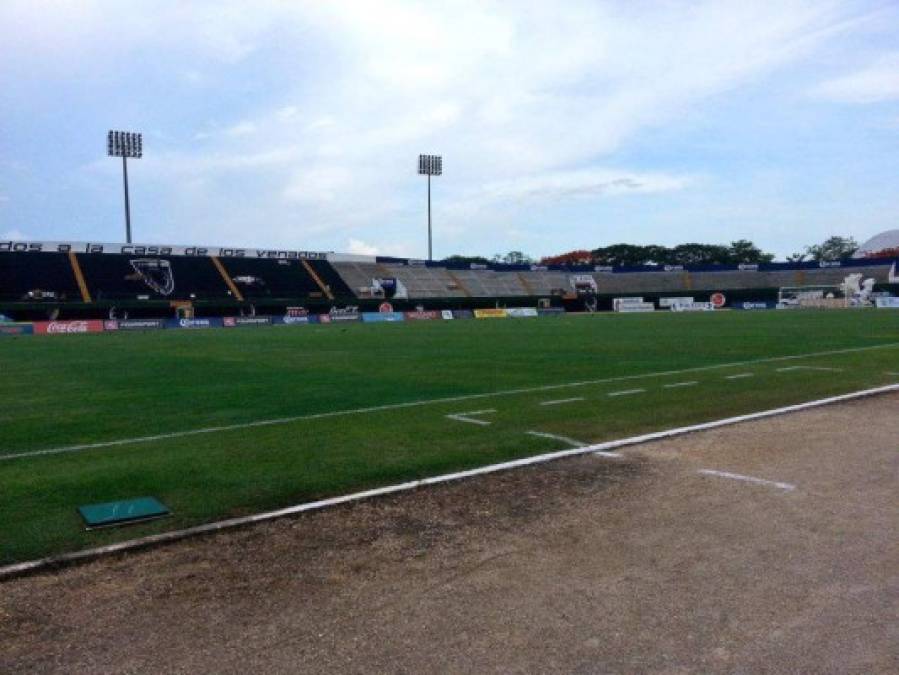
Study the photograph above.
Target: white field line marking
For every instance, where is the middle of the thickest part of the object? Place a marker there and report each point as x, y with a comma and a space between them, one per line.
574, 443
739, 376
32, 566
542, 434
830, 370
680, 384
626, 392
424, 402
467, 416
560, 401
748, 479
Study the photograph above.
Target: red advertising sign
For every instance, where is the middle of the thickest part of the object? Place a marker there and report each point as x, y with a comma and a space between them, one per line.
60, 327
718, 300
428, 315
385, 308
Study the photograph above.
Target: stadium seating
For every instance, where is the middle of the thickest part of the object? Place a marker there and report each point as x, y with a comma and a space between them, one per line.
271, 278
122, 277
115, 279
25, 276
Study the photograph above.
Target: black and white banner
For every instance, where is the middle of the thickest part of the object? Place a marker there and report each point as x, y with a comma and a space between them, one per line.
156, 249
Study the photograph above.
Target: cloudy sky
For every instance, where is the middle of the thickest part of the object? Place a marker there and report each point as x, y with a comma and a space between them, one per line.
563, 124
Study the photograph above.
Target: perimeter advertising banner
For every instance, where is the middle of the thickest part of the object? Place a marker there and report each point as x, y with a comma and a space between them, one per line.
292, 320
753, 305
134, 324
427, 315
887, 303
67, 327
490, 314
521, 312
193, 323
338, 317
375, 317
235, 321
16, 329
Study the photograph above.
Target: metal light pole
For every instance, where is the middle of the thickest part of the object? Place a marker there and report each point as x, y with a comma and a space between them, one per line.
125, 144
430, 165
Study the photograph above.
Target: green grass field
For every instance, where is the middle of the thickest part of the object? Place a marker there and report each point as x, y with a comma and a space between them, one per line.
62, 391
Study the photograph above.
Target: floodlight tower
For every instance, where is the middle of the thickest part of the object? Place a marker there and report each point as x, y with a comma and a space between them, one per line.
430, 165
125, 144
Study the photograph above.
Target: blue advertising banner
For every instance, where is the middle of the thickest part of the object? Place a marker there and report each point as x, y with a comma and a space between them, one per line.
463, 314
294, 320
753, 304
194, 323
374, 317
16, 329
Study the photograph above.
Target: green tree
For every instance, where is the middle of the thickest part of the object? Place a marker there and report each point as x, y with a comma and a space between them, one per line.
744, 251
699, 254
513, 258
833, 248
465, 259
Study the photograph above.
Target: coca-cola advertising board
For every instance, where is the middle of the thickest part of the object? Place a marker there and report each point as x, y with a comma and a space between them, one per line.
68, 327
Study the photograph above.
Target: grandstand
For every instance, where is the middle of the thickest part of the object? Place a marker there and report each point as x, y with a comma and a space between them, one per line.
52, 279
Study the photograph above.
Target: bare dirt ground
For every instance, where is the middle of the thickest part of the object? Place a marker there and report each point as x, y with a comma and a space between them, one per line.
591, 564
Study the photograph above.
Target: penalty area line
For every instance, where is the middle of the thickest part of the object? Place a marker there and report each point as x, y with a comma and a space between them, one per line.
572, 442
747, 479
424, 402
469, 416
676, 385
34, 566
561, 401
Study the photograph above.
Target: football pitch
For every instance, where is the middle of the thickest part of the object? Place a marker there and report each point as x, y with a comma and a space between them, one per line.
224, 423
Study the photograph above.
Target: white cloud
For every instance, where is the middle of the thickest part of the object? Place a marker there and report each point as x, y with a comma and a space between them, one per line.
16, 235
245, 128
359, 247
585, 183
877, 82
317, 111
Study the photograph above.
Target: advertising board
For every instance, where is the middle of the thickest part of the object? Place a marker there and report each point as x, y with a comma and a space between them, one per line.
235, 321
692, 307
887, 303
463, 314
550, 311
521, 312
68, 327
447, 314
754, 305
667, 302
134, 324
289, 320
193, 323
490, 313
381, 317
425, 315
336, 317
16, 329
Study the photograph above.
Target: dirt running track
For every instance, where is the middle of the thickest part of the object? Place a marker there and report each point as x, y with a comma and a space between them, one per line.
585, 565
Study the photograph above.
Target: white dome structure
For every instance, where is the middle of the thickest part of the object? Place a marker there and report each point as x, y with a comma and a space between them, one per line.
888, 239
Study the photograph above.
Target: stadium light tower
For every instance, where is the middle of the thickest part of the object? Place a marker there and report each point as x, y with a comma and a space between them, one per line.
125, 144
430, 165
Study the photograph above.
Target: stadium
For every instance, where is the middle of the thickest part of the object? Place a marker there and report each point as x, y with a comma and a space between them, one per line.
222, 458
